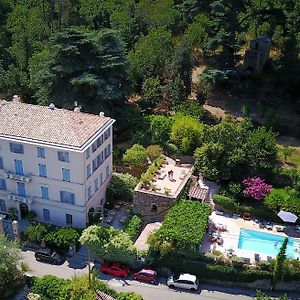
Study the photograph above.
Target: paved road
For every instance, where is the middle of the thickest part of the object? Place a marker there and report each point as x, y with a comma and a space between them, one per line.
77, 265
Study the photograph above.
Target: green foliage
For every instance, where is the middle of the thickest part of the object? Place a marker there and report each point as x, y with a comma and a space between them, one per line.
231, 150
262, 296
50, 287
101, 74
109, 244
152, 169
159, 128
36, 232
151, 54
152, 93
191, 108
227, 203
122, 185
186, 133
129, 296
279, 263
10, 278
154, 151
135, 156
182, 229
287, 152
62, 238
132, 225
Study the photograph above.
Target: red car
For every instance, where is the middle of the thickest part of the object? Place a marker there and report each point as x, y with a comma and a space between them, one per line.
146, 275
115, 269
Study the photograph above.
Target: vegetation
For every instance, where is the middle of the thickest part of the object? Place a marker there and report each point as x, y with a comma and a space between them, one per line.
109, 244
121, 186
152, 169
154, 151
135, 156
62, 238
36, 232
132, 225
182, 229
11, 279
256, 188
262, 296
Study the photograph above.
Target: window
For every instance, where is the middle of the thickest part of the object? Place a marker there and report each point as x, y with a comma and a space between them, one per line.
40, 152
98, 161
19, 167
2, 205
99, 141
21, 189
87, 153
94, 146
44, 192
16, 148
42, 170
96, 184
46, 214
66, 174
107, 172
101, 179
2, 184
107, 134
88, 170
89, 191
63, 156
69, 219
67, 197
1, 163
107, 151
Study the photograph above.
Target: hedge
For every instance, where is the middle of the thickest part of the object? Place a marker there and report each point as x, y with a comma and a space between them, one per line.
226, 203
212, 271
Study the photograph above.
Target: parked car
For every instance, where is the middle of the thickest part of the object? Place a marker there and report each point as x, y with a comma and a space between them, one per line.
146, 275
184, 281
115, 269
49, 256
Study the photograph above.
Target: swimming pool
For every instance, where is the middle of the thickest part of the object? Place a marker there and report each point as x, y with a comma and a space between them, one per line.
267, 243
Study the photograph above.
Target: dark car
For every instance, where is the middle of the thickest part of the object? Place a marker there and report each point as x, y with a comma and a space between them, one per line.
49, 256
146, 275
115, 269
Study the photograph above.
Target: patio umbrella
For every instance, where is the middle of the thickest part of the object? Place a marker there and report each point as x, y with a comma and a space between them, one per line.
287, 216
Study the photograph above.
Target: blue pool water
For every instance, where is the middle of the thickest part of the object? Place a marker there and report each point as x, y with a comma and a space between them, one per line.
267, 243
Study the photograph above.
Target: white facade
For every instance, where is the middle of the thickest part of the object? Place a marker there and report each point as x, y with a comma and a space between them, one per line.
60, 192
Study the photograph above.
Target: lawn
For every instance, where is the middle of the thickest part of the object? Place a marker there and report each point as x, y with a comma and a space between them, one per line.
293, 160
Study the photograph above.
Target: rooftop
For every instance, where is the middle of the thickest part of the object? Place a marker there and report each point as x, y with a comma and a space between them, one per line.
43, 124
170, 179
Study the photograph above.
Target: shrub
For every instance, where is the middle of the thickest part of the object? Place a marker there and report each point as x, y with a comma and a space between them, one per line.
256, 188
31, 216
63, 238
132, 225
36, 232
227, 203
129, 296
135, 156
152, 169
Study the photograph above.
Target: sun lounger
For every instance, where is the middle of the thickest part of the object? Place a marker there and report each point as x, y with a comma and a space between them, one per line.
279, 228
182, 175
162, 175
269, 226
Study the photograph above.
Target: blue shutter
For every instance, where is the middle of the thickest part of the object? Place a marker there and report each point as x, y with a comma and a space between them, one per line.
72, 198
21, 189
46, 214
19, 167
2, 184
1, 163
45, 192
2, 205
66, 174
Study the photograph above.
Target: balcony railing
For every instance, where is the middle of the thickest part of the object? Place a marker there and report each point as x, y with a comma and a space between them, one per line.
21, 199
14, 176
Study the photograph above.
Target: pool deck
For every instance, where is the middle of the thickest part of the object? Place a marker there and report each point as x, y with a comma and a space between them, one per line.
231, 236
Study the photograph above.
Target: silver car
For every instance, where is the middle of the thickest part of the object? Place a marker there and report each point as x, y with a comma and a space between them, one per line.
183, 281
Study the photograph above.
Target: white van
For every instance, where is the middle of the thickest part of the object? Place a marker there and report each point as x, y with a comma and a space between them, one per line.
183, 281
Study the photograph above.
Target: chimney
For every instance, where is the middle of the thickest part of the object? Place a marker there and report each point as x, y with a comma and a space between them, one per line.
51, 106
101, 114
16, 98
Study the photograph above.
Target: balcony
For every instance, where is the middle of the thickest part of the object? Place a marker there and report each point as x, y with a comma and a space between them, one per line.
20, 199
14, 176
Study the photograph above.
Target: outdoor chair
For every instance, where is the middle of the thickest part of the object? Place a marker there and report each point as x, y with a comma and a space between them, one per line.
246, 216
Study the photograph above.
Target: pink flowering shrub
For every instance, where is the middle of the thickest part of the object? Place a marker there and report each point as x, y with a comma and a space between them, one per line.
256, 188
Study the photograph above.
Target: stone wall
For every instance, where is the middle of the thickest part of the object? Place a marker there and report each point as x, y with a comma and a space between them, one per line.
151, 206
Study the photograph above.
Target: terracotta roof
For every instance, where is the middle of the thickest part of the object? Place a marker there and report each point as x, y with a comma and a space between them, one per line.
197, 192
40, 123
102, 296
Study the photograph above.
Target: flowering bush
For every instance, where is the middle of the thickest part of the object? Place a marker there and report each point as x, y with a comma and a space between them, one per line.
256, 188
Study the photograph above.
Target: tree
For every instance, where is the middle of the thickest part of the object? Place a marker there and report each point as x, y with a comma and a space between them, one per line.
280, 259
100, 71
10, 277
287, 152
135, 156
150, 55
154, 151
120, 248
191, 108
186, 133
159, 128
122, 185
62, 238
152, 93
